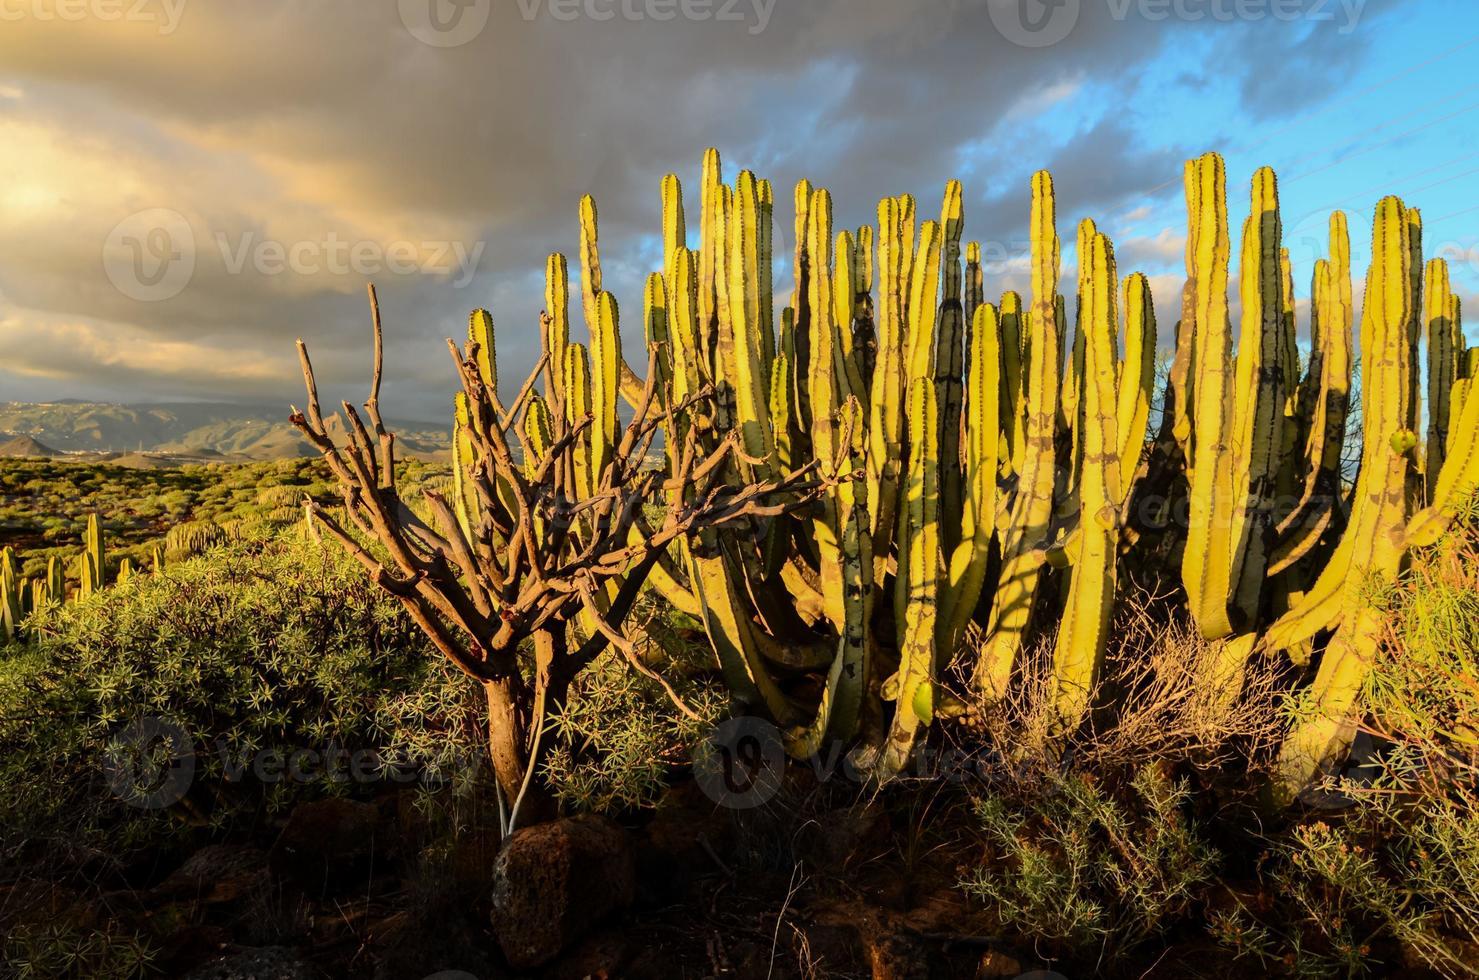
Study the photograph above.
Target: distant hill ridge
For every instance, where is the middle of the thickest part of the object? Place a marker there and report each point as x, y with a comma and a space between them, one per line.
250, 432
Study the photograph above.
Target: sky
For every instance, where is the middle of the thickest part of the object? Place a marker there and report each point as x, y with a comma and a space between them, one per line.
186, 187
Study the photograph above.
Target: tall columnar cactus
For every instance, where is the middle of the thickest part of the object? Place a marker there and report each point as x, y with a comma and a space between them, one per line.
1207, 563
966, 571
10, 596
1260, 396
1445, 349
914, 685
1319, 510
1030, 523
941, 424
1081, 636
950, 358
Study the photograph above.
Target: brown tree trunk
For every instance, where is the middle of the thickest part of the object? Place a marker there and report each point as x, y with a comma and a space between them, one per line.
506, 735
513, 743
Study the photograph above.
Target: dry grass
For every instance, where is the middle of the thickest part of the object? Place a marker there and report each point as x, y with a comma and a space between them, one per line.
1157, 702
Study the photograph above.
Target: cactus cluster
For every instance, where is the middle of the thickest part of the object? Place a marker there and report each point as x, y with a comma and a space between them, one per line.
23, 596
983, 468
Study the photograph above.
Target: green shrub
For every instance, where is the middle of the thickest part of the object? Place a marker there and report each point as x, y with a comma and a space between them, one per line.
1089, 871
272, 645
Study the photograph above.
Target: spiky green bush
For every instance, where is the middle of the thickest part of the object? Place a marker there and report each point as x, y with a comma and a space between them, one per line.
270, 644
1091, 869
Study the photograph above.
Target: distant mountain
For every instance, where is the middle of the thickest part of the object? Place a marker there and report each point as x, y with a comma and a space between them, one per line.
15, 447
244, 432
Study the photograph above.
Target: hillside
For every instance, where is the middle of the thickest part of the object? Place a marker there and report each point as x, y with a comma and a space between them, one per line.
23, 447
252, 432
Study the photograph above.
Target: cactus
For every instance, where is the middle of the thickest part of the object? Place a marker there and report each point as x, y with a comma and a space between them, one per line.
11, 594
1375, 543
938, 426
1445, 347
1080, 644
1027, 533
1207, 564
1260, 394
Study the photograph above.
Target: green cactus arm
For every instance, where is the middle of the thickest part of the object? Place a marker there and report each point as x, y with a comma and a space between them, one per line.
1372, 543
748, 370
1207, 561
1070, 402
481, 334
590, 263
886, 418
1079, 650
824, 381
844, 310
916, 677
982, 443
1028, 529
1457, 479
950, 360
557, 330
975, 282
710, 254
1443, 363
1331, 322
1260, 398
1137, 379
1013, 365
605, 382
578, 405
842, 698
923, 311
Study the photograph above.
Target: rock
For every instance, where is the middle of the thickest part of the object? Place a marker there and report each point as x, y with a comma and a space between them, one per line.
552, 882
264, 963
327, 834
217, 874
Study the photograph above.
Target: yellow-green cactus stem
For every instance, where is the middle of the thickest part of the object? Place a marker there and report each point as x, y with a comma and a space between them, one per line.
1445, 345
1260, 397
578, 404
1207, 563
916, 676
1030, 524
950, 359
557, 306
1375, 543
605, 383
1014, 414
982, 444
1079, 651
1137, 379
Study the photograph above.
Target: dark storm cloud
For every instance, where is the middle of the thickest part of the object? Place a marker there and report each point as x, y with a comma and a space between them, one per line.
289, 122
